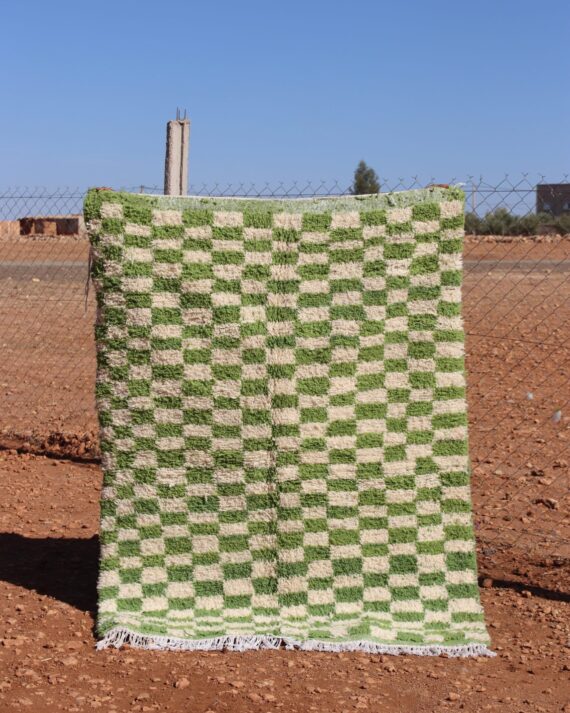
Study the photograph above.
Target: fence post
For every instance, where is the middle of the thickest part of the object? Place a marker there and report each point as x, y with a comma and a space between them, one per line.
176, 162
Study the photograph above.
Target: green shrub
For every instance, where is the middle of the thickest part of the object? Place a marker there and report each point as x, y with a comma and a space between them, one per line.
472, 224
501, 222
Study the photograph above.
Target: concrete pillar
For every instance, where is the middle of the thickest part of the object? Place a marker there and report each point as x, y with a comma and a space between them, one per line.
176, 163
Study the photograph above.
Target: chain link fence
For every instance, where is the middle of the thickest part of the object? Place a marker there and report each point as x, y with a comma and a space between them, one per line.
516, 309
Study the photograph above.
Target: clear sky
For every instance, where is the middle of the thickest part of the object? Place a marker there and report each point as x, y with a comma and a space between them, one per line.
278, 91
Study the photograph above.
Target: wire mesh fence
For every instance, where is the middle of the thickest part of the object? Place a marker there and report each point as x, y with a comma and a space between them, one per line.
516, 309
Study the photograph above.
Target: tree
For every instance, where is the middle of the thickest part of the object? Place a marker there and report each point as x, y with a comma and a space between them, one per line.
365, 180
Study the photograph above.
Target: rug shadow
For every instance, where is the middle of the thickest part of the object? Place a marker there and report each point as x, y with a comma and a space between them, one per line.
65, 569
536, 590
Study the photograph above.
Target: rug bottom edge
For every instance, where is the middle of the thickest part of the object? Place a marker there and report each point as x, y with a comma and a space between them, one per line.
118, 636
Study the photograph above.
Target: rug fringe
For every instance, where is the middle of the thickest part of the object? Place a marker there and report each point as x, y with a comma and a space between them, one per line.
119, 636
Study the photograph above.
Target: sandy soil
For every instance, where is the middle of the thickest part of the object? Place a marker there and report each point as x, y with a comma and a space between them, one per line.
517, 320
47, 311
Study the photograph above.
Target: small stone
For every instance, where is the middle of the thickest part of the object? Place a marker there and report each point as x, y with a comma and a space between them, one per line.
255, 698
69, 661
487, 583
142, 697
182, 683
14, 642
269, 697
453, 696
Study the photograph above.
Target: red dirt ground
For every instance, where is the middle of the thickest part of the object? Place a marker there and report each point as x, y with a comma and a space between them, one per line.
48, 567
517, 310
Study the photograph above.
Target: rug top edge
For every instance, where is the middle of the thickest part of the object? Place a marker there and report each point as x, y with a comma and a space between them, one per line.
396, 199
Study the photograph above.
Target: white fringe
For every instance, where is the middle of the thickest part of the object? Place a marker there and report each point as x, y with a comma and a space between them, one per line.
120, 635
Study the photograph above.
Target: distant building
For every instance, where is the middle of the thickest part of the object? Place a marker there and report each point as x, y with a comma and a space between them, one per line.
51, 225
553, 198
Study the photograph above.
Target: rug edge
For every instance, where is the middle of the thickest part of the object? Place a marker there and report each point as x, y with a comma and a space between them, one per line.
315, 203
118, 636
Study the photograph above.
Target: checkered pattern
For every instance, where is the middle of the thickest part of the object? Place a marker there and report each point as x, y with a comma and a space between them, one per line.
281, 394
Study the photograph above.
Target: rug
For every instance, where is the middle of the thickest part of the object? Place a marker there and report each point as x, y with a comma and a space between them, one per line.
281, 394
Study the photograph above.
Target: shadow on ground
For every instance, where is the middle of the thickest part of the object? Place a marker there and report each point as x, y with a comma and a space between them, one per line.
65, 569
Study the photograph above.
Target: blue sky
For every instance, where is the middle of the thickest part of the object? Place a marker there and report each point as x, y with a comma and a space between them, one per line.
283, 91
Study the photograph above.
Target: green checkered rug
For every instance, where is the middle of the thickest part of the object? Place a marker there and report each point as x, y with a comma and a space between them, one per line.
281, 394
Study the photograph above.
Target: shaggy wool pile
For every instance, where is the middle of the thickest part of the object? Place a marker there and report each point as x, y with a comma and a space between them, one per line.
281, 395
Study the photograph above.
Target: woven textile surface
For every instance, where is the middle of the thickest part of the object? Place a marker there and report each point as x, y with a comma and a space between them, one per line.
281, 394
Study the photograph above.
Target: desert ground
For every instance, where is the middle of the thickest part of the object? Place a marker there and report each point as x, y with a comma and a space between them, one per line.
517, 312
